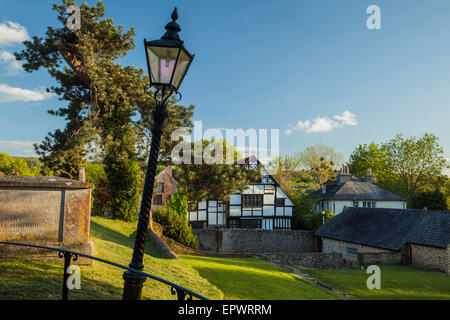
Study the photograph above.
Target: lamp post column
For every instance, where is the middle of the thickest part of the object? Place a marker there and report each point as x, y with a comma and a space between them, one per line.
134, 282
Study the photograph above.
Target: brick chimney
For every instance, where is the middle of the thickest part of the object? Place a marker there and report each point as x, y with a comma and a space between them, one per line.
369, 176
344, 175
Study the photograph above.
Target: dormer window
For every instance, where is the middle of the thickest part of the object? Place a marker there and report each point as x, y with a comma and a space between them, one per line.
324, 188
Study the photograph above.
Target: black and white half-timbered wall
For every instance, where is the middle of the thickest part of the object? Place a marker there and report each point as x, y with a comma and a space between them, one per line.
263, 205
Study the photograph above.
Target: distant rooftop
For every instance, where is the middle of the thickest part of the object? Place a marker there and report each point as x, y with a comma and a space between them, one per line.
389, 228
42, 182
350, 187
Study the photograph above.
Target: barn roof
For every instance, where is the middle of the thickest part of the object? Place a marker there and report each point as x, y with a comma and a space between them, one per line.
389, 228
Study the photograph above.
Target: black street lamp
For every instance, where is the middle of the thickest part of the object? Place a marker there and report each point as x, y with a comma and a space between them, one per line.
168, 62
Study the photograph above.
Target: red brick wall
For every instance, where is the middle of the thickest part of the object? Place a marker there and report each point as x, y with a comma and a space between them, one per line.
165, 177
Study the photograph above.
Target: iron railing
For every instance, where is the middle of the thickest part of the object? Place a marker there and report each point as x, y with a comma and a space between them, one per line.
181, 292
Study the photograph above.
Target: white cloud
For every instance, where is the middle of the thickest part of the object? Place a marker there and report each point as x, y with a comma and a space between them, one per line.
9, 94
11, 32
18, 148
12, 66
323, 124
347, 118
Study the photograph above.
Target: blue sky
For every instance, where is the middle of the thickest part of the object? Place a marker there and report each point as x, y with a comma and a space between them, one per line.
309, 68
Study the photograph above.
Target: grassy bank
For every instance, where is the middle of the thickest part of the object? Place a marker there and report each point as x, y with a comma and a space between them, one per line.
397, 282
251, 278
114, 240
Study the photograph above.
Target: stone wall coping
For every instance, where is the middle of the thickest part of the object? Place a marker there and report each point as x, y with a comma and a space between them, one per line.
43, 182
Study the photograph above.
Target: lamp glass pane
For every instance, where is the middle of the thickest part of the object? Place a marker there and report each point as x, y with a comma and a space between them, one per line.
162, 63
183, 64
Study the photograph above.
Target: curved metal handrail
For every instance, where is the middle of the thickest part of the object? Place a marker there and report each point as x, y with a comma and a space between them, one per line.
176, 289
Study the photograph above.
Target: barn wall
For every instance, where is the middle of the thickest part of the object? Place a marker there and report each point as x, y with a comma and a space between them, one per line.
430, 258
336, 246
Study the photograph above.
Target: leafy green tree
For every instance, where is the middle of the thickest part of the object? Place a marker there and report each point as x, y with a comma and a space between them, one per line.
403, 165
215, 180
415, 161
371, 156
288, 174
107, 103
320, 164
10, 165
432, 200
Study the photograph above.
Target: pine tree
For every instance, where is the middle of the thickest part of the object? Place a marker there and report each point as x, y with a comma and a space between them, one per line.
103, 98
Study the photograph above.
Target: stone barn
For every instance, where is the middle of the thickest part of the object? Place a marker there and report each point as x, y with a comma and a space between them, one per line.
414, 237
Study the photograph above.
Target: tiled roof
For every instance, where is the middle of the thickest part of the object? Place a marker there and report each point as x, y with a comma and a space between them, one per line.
356, 189
389, 228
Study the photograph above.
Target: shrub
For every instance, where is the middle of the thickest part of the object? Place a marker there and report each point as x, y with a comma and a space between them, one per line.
95, 174
124, 180
176, 226
179, 203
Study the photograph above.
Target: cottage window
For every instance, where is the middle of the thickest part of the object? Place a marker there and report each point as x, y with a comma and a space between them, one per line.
352, 251
160, 188
158, 200
192, 206
251, 223
373, 204
233, 223
280, 202
252, 200
355, 204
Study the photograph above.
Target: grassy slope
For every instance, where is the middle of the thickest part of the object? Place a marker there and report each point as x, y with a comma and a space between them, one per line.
397, 282
254, 279
114, 240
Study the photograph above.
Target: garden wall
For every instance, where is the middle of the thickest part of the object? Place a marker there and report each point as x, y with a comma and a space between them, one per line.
255, 241
317, 260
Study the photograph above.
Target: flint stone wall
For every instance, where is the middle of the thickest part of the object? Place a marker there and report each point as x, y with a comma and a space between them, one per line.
255, 241
316, 260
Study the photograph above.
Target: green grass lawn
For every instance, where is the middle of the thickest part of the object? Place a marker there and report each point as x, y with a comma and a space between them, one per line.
114, 240
397, 282
215, 278
251, 278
